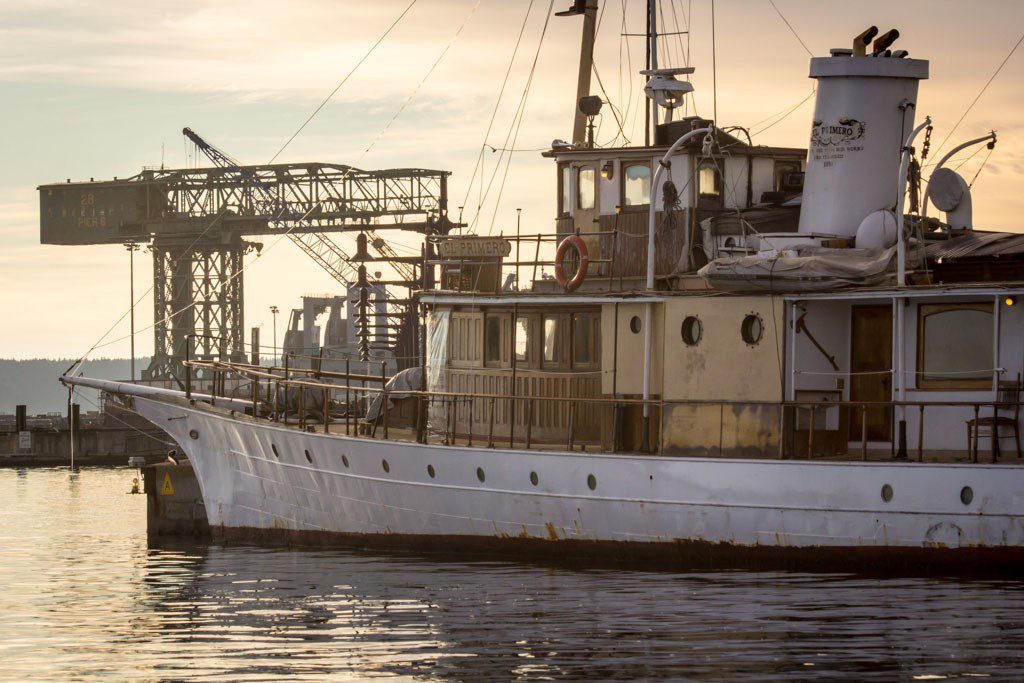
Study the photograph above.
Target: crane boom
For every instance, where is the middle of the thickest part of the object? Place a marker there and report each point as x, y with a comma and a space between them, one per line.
321, 248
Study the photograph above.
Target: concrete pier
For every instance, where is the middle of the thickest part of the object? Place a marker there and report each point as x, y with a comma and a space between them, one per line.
174, 504
100, 438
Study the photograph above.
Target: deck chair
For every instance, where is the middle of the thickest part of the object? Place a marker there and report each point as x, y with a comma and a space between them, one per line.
1006, 415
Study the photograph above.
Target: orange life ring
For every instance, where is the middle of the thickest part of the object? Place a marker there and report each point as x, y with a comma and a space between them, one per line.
575, 241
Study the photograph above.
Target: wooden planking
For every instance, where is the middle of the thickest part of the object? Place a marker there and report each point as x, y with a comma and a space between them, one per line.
628, 249
550, 421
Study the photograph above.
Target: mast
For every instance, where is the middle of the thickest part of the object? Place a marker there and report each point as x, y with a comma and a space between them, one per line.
652, 8
579, 124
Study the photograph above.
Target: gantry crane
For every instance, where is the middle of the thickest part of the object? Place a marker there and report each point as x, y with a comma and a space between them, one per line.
195, 219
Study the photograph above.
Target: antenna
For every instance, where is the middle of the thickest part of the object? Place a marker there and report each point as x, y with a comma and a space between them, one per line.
664, 90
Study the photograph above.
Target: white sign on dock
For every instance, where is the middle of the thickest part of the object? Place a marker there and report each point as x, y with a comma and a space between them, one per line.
25, 442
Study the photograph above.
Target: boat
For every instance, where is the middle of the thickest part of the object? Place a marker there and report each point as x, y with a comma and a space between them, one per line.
750, 353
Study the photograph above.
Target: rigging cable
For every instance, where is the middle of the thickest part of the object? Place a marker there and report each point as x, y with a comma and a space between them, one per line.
600, 84
423, 80
522, 115
785, 114
494, 112
790, 27
978, 172
519, 108
295, 224
344, 80
714, 68
980, 93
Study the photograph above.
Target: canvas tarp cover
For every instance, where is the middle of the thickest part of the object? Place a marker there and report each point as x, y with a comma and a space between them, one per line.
804, 268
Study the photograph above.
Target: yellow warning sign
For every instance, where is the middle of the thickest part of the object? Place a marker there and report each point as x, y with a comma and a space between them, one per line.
168, 488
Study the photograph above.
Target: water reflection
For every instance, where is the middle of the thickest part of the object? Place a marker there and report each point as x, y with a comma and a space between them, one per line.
84, 596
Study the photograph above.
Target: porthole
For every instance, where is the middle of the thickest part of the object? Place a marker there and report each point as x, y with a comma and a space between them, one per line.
534, 479
591, 482
886, 493
691, 330
480, 474
752, 329
274, 448
635, 325
309, 457
344, 460
430, 471
193, 434
385, 465
966, 495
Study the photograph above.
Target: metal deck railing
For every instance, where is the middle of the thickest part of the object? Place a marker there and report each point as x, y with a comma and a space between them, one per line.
311, 400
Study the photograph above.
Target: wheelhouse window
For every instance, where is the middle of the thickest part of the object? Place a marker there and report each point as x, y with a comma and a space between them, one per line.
523, 354
784, 175
709, 183
551, 340
494, 339
955, 346
586, 186
584, 340
564, 190
636, 185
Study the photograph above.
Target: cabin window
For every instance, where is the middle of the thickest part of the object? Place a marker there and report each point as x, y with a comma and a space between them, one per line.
636, 185
691, 330
493, 338
584, 340
709, 182
564, 190
522, 339
551, 345
955, 346
784, 180
586, 184
751, 329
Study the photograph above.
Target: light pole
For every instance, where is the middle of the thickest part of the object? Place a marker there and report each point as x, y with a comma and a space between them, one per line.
132, 247
273, 309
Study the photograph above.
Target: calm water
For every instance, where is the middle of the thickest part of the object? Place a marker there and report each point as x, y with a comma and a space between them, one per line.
83, 596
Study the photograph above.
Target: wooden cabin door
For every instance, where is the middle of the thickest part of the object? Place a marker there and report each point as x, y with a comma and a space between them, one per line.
871, 352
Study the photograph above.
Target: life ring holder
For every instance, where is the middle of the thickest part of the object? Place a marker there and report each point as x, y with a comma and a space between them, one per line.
577, 243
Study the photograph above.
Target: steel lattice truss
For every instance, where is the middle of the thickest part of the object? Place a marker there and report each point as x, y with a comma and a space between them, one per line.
197, 305
195, 219
326, 197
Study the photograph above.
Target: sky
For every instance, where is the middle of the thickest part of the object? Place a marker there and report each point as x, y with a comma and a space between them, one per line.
97, 89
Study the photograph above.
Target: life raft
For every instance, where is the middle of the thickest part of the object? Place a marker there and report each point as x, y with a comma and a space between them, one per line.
575, 242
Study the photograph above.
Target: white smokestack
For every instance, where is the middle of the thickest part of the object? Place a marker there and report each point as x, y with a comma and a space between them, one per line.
861, 118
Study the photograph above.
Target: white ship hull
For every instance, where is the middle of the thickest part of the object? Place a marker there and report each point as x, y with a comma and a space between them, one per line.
385, 494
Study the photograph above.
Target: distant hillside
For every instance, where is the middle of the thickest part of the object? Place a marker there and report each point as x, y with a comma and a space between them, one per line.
34, 382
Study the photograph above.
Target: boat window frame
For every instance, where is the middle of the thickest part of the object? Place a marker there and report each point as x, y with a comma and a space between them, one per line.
561, 348
947, 383
592, 168
532, 359
504, 328
564, 189
624, 166
594, 318
781, 167
714, 199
